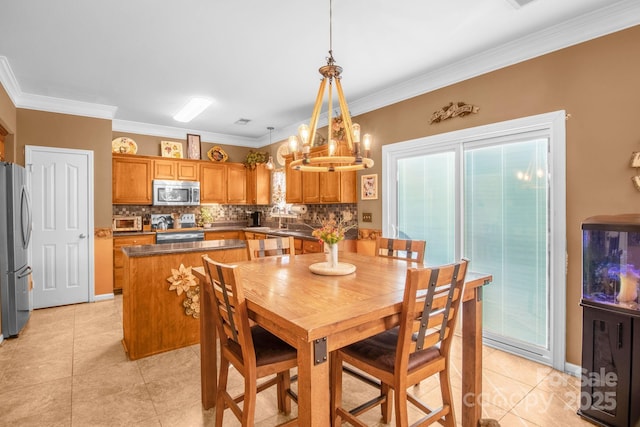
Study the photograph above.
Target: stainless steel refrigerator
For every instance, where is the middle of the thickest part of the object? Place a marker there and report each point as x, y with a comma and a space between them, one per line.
15, 234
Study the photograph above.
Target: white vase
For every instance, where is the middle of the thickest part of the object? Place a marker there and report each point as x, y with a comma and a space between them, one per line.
332, 255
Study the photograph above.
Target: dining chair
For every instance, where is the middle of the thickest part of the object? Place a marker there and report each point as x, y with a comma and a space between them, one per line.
410, 250
252, 350
412, 351
273, 246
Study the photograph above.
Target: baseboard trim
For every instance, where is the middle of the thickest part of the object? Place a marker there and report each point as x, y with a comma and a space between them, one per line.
571, 369
103, 297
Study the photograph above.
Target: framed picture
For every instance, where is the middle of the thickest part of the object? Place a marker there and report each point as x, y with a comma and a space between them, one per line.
171, 149
369, 187
193, 146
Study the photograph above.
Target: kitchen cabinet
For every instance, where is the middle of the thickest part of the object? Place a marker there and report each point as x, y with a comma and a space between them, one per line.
181, 170
320, 187
222, 235
131, 180
236, 183
294, 183
118, 257
311, 247
250, 235
223, 183
259, 185
610, 366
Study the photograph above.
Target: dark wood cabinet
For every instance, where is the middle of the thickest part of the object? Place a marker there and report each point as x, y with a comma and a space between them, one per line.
610, 391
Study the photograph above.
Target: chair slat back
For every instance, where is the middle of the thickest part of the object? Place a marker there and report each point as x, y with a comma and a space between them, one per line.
273, 246
230, 308
410, 250
430, 308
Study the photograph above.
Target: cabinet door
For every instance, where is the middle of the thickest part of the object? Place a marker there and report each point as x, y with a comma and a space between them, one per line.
221, 235
164, 169
330, 187
311, 187
635, 372
259, 185
131, 180
213, 183
294, 184
118, 257
311, 247
606, 365
187, 171
237, 184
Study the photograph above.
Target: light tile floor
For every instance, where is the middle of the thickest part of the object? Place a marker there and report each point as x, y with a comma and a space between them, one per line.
68, 368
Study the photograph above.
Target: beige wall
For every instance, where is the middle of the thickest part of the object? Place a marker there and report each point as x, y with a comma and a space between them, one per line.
150, 146
8, 122
596, 82
67, 131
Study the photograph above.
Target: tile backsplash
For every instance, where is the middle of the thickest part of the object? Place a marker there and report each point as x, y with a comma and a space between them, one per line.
228, 213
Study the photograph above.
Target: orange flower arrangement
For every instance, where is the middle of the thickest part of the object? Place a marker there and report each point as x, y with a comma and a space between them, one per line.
332, 231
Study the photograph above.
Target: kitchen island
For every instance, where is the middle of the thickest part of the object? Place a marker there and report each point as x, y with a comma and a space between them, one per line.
160, 297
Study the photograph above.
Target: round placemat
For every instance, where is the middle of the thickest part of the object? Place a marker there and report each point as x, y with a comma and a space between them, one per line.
323, 269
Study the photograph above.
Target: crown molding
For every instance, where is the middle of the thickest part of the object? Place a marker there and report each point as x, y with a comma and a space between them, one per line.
619, 16
616, 17
66, 106
180, 133
8, 80
47, 103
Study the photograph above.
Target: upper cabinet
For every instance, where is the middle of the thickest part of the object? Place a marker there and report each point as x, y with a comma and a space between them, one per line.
223, 183
236, 183
258, 185
131, 180
181, 170
213, 179
320, 187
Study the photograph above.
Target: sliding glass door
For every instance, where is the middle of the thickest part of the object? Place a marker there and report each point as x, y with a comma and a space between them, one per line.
488, 199
506, 211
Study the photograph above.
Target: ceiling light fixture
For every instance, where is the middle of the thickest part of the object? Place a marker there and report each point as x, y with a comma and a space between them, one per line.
335, 161
269, 164
194, 107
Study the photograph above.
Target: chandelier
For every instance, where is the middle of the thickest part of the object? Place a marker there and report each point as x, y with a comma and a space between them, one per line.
358, 152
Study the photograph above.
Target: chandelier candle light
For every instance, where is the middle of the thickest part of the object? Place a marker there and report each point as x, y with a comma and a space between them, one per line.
358, 157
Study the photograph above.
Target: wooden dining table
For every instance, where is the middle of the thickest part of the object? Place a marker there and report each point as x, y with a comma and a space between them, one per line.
317, 314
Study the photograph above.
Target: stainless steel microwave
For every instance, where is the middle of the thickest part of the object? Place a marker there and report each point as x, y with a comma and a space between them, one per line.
176, 193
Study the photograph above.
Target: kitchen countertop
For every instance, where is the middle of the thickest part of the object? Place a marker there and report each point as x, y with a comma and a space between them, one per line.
175, 248
304, 234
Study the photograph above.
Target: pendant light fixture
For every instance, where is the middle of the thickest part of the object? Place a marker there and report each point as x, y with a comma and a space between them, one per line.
357, 157
270, 164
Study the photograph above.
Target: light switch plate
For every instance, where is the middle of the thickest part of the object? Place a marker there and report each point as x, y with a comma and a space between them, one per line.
366, 216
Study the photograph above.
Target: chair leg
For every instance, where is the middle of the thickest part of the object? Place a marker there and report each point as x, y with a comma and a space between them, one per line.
336, 387
222, 390
400, 400
447, 401
385, 407
283, 385
250, 397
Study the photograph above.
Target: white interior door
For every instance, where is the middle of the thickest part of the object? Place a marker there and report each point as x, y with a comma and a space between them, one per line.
61, 183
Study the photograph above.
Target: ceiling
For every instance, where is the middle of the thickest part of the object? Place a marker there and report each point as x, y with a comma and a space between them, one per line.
138, 62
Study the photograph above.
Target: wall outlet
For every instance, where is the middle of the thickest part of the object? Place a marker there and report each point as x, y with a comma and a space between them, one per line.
366, 216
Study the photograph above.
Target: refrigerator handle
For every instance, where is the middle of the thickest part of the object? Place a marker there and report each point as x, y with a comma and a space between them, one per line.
25, 272
26, 225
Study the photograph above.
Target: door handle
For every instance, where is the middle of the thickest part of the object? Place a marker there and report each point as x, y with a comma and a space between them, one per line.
82, 235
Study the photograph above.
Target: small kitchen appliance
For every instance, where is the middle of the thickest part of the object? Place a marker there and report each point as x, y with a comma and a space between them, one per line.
127, 223
176, 193
256, 219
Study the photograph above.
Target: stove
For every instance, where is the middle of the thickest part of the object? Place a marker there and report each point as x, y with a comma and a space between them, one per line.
179, 230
